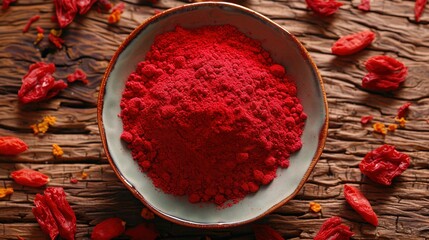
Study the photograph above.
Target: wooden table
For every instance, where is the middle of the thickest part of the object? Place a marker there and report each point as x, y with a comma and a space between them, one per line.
90, 42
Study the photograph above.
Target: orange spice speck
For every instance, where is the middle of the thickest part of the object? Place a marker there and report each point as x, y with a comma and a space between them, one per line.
5, 192
43, 126
380, 128
84, 175
39, 38
392, 127
315, 207
401, 121
57, 150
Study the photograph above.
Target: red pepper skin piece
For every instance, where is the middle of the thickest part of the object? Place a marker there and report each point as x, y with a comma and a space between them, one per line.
44, 217
383, 65
63, 214
403, 110
12, 145
77, 75
384, 74
360, 204
419, 7
84, 5
39, 84
333, 229
143, 231
6, 3
383, 164
353, 43
30, 21
30, 178
57, 41
66, 11
108, 229
264, 232
323, 7
366, 119
364, 5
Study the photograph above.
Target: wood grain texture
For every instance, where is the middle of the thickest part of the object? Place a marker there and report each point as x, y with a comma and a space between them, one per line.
403, 208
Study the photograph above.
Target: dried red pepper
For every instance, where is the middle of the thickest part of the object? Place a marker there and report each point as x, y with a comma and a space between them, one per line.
66, 11
30, 21
29, 177
384, 74
353, 43
264, 232
360, 204
12, 145
6, 4
143, 231
419, 7
364, 5
366, 119
403, 110
104, 5
323, 7
333, 229
108, 229
39, 84
54, 214
383, 164
78, 75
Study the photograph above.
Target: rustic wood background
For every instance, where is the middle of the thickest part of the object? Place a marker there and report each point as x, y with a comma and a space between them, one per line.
403, 208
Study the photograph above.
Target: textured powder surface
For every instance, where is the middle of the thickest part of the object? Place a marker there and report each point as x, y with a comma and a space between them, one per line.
209, 115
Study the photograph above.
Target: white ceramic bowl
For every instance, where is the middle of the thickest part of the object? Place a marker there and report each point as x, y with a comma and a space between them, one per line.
284, 48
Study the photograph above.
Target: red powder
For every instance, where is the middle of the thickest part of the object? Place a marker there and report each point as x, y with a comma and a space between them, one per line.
209, 115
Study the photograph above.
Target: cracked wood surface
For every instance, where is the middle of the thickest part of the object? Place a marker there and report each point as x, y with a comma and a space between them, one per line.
403, 208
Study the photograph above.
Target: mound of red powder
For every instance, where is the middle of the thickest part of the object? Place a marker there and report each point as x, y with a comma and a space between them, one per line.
209, 115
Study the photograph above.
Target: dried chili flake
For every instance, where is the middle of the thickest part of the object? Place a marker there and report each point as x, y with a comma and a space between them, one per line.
401, 121
265, 232
360, 204
30, 178
324, 7
44, 125
12, 145
380, 128
419, 7
366, 119
39, 84
66, 11
353, 43
143, 231
108, 229
54, 37
78, 75
30, 21
392, 127
333, 229
147, 214
384, 74
54, 214
403, 110
5, 192
383, 164
57, 151
40, 30
74, 180
6, 4
364, 5
315, 207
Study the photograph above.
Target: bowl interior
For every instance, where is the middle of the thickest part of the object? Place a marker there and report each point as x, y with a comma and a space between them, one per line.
284, 49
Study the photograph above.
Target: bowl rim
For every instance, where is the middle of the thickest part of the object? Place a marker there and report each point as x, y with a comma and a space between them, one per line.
321, 138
